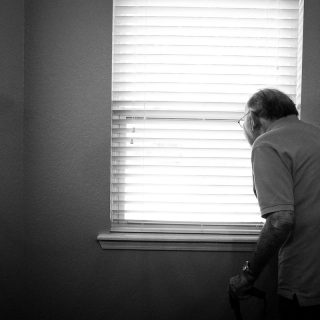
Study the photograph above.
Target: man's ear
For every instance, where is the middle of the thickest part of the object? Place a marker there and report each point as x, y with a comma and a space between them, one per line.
255, 122
265, 123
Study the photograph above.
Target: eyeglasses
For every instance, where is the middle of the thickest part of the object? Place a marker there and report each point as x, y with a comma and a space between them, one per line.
241, 120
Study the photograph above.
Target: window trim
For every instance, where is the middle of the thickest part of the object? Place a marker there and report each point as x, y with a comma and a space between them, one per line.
177, 242
217, 237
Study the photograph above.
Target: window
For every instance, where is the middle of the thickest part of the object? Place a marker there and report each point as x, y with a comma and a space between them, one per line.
182, 73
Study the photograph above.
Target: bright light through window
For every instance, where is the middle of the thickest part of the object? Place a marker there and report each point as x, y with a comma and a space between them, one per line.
182, 73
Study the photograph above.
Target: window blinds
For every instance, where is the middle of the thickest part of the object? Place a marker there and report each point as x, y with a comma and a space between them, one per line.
182, 73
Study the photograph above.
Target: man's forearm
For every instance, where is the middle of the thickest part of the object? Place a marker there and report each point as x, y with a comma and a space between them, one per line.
275, 232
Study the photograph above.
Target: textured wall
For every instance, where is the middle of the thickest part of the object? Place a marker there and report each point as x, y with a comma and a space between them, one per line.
11, 122
67, 116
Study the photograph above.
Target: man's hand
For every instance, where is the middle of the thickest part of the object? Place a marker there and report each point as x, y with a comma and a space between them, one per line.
274, 233
241, 284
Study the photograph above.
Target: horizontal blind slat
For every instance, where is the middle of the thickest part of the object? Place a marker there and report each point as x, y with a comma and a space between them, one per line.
231, 41
181, 152
284, 33
205, 60
208, 69
183, 179
176, 134
172, 217
204, 79
187, 208
181, 198
204, 50
118, 188
183, 170
231, 22
174, 124
181, 161
187, 88
239, 13
266, 4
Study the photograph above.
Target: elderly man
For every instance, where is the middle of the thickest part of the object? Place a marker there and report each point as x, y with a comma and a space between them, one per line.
286, 175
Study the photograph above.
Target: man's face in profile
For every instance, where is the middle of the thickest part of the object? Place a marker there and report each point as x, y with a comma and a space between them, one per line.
250, 132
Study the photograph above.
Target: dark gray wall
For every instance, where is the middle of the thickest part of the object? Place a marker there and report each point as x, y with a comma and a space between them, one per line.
310, 99
11, 121
67, 125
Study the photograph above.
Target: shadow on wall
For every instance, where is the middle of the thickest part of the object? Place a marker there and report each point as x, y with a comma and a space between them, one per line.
11, 218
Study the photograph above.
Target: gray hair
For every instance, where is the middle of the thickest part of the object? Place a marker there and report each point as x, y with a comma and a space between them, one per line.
271, 104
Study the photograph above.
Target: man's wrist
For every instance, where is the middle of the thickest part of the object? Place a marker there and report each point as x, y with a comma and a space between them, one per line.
248, 272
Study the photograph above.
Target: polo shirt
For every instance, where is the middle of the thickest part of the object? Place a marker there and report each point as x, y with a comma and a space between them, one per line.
286, 176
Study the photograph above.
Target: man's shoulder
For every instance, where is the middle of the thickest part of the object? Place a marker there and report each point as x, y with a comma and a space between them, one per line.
277, 140
265, 140
288, 136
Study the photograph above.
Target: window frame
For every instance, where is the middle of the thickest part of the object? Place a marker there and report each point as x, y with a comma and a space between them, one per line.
182, 237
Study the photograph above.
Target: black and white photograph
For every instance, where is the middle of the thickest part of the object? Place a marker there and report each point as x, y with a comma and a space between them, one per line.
160, 159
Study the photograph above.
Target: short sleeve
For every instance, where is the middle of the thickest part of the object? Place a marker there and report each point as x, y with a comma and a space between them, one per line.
272, 180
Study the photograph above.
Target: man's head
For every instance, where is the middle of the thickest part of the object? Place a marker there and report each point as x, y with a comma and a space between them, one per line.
263, 108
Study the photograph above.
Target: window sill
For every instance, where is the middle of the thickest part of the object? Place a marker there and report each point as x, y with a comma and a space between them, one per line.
177, 242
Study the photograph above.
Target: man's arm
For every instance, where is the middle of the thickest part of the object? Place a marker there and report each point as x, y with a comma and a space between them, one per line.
275, 232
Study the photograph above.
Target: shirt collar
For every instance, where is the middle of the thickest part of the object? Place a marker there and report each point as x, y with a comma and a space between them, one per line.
283, 121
